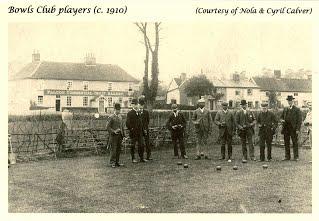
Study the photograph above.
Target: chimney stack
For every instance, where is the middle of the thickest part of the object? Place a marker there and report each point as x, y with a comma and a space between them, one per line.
35, 56
90, 59
277, 74
236, 77
183, 77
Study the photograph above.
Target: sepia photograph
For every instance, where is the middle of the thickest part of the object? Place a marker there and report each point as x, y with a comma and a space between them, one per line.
160, 117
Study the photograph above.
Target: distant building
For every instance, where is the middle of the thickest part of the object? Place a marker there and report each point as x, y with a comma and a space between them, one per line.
175, 92
301, 89
60, 85
237, 89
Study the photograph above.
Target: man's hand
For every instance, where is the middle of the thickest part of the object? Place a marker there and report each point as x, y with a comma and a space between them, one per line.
174, 127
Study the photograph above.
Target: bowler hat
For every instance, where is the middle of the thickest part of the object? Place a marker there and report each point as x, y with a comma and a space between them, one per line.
225, 104
134, 101
264, 104
117, 106
243, 102
290, 98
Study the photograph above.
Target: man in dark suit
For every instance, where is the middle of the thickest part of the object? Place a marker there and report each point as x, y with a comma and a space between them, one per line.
176, 124
245, 122
145, 117
291, 119
267, 124
116, 131
134, 125
224, 119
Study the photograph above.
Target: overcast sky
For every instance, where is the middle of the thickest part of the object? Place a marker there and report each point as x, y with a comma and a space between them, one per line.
184, 47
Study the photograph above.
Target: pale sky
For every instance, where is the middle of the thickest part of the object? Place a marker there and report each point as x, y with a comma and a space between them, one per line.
184, 47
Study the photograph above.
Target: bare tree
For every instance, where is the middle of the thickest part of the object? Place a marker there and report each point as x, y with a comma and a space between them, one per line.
150, 91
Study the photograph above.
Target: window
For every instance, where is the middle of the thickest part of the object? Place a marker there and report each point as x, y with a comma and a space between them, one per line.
250, 104
120, 100
68, 101
267, 93
109, 86
237, 92
57, 96
85, 101
109, 101
256, 104
130, 87
249, 91
295, 94
40, 100
69, 85
85, 85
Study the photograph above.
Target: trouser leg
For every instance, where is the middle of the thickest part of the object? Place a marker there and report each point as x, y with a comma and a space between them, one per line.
262, 147
287, 145
268, 142
140, 147
174, 140
199, 144
222, 148
294, 138
133, 143
251, 146
181, 144
243, 145
147, 144
113, 149
229, 146
118, 149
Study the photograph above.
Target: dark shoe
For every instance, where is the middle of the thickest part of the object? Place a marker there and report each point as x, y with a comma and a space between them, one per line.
222, 158
268, 160
253, 158
202, 154
285, 159
207, 158
185, 157
197, 158
119, 164
134, 161
296, 159
113, 165
149, 158
143, 161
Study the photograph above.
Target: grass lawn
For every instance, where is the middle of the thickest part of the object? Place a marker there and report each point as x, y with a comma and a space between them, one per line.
88, 184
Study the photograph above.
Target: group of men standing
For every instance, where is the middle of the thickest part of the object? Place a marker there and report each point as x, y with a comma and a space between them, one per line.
243, 121
137, 123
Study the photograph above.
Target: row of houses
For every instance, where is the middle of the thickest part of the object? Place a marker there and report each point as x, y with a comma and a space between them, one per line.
91, 86
255, 90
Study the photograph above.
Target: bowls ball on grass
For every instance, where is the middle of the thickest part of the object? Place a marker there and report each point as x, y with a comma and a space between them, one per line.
235, 167
185, 165
218, 168
265, 166
179, 163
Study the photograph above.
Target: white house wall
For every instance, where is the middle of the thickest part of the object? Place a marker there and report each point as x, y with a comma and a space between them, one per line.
174, 94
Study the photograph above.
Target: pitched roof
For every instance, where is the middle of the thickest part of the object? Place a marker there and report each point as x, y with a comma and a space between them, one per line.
178, 81
227, 83
74, 71
284, 84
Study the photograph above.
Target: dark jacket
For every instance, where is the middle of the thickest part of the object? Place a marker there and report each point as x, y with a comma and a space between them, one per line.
134, 123
179, 121
245, 122
225, 122
292, 117
267, 123
145, 116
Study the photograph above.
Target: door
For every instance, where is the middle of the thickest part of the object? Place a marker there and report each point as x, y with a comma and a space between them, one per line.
101, 105
57, 105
